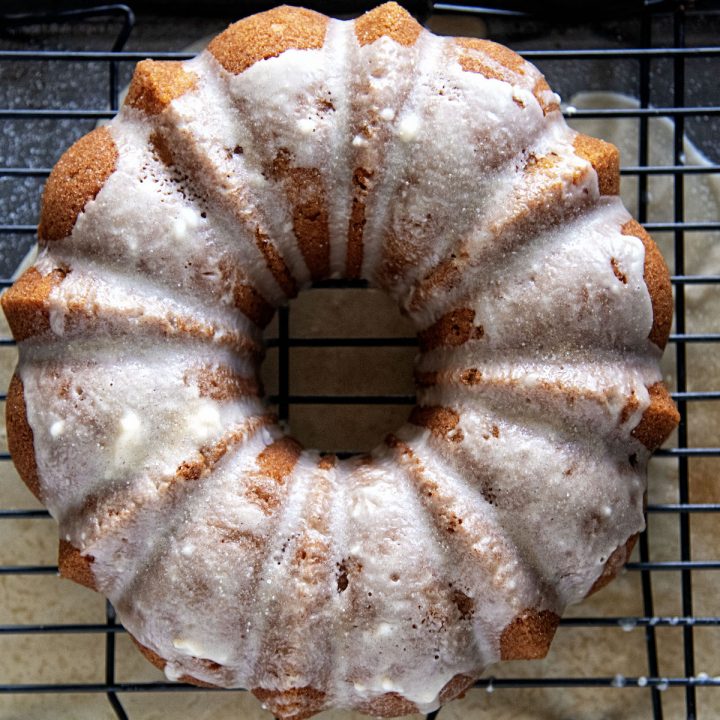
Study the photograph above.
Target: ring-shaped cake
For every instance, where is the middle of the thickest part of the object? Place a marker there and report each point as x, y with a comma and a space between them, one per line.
297, 148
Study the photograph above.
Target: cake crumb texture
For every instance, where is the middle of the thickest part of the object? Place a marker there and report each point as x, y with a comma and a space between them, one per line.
75, 180
156, 84
267, 35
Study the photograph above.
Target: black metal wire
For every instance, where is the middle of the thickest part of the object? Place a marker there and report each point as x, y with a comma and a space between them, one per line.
681, 229
644, 543
681, 358
110, 661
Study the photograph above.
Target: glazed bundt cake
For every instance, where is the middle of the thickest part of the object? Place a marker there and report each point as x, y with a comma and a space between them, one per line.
297, 148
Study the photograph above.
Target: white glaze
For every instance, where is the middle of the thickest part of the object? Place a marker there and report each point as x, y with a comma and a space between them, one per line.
205, 572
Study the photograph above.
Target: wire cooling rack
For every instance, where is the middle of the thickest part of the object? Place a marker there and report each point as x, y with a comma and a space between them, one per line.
658, 41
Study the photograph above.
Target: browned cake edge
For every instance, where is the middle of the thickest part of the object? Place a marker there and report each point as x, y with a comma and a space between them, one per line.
155, 85
160, 663
509, 66
293, 703
605, 159
529, 635
452, 329
304, 702
441, 421
614, 564
20, 436
26, 305
387, 20
301, 703
658, 420
502, 55
361, 185
306, 194
75, 566
221, 383
279, 458
253, 305
268, 35
76, 179
657, 279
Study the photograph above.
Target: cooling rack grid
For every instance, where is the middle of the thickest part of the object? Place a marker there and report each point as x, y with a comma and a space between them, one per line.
666, 49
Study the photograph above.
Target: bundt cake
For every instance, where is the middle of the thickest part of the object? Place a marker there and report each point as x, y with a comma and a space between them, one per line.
297, 148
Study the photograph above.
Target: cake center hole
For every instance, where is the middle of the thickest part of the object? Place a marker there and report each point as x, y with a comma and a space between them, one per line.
341, 397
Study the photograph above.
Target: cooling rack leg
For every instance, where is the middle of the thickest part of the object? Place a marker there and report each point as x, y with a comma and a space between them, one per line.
110, 663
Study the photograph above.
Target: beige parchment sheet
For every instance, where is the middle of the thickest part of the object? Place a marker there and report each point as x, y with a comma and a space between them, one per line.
576, 652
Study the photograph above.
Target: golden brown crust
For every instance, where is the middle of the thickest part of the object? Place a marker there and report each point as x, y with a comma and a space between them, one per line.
26, 306
156, 84
659, 420
441, 421
362, 180
619, 556
605, 159
278, 459
306, 192
149, 654
542, 163
292, 704
26, 303
394, 705
388, 705
160, 663
161, 148
280, 271
657, 279
632, 403
388, 20
252, 304
453, 328
268, 35
209, 455
74, 566
327, 462
510, 63
75, 180
539, 91
80, 319
529, 635
20, 437
505, 65
222, 384
455, 688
